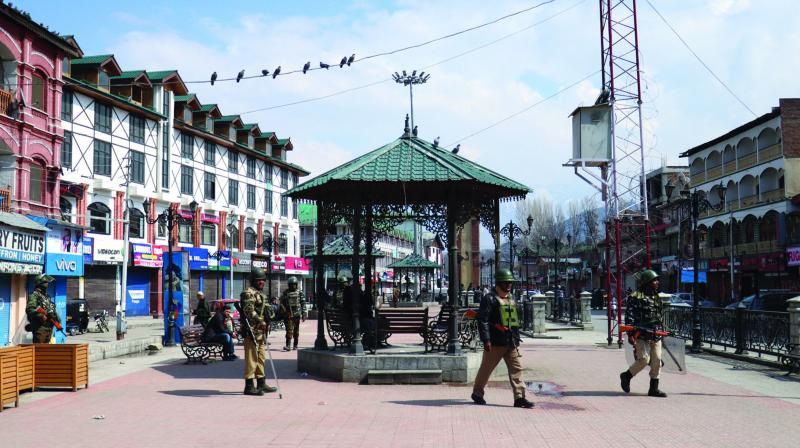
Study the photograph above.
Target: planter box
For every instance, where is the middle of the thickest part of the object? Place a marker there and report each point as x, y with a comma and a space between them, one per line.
25, 365
9, 390
60, 365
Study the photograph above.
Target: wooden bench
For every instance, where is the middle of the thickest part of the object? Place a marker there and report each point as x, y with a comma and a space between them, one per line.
403, 321
439, 329
340, 327
791, 359
193, 346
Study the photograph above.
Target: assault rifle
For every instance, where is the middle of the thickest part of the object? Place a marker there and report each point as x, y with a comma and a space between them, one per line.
55, 323
660, 333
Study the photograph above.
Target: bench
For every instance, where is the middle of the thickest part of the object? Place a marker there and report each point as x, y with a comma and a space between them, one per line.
403, 321
193, 346
340, 327
791, 359
439, 329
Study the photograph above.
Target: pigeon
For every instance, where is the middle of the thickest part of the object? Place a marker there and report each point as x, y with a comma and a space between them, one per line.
455, 150
276, 72
324, 65
414, 73
414, 131
352, 58
436, 142
342, 62
306, 67
213, 78
240, 76
264, 72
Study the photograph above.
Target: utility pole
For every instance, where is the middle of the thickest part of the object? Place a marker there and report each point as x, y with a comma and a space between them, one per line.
122, 299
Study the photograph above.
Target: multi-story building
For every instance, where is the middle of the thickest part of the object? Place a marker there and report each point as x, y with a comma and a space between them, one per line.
743, 175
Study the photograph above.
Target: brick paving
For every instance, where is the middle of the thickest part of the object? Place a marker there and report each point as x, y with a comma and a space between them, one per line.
580, 404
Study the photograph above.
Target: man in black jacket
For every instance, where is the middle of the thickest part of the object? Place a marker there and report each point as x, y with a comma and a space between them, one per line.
217, 331
498, 326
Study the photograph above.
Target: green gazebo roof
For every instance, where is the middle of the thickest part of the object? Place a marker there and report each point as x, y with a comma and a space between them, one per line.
407, 170
413, 261
342, 247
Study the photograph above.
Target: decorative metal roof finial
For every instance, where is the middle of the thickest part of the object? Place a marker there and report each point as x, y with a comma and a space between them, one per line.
406, 129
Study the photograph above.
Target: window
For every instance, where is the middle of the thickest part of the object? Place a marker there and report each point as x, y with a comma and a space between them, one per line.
294, 210
251, 196
284, 178
185, 233
102, 158
268, 201
294, 180
284, 206
66, 105
210, 150
165, 156
66, 209
233, 192
104, 82
38, 91
136, 226
162, 229
251, 168
268, 238
283, 244
102, 118
187, 179
66, 66
250, 239
233, 237
186, 146
208, 234
66, 150
99, 218
210, 186
35, 182
268, 172
137, 167
137, 129
165, 105
233, 162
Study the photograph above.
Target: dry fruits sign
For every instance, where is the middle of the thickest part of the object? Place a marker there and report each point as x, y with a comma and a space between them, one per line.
20, 246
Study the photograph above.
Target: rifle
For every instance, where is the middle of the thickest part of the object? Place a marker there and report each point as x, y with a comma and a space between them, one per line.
55, 323
661, 333
266, 341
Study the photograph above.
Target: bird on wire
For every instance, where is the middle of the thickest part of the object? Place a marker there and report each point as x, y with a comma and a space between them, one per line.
213, 78
455, 150
276, 72
352, 58
306, 67
342, 62
264, 72
324, 65
240, 76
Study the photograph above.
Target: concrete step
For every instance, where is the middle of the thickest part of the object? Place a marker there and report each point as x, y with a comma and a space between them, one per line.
404, 377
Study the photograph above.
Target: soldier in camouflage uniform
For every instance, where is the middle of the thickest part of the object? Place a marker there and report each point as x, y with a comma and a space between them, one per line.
293, 302
255, 321
41, 324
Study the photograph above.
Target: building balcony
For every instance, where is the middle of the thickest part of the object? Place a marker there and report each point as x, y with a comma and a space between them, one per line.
733, 205
767, 246
773, 195
747, 201
729, 167
747, 161
713, 173
696, 179
5, 101
747, 248
5, 200
770, 153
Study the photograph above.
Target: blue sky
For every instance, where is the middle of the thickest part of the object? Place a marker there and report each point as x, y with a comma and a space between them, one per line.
752, 45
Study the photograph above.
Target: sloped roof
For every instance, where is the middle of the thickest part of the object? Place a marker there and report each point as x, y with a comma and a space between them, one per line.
413, 261
407, 170
342, 247
92, 60
129, 75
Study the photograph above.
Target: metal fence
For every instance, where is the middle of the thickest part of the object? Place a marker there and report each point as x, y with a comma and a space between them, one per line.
566, 310
762, 332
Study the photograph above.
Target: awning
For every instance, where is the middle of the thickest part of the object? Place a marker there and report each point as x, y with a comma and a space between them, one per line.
45, 221
21, 221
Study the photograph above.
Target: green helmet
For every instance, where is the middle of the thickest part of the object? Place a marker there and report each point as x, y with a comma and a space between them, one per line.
645, 277
257, 274
292, 280
504, 275
43, 279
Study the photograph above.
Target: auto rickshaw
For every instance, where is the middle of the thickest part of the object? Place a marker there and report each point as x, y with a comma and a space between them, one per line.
77, 316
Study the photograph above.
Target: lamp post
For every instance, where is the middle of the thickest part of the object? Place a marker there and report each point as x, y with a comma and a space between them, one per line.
526, 255
267, 245
512, 231
219, 255
411, 80
169, 217
697, 203
556, 248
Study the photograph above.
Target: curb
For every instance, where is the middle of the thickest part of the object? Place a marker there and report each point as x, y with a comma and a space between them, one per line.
100, 351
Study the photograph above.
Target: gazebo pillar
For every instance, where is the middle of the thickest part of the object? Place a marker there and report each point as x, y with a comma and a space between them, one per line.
356, 347
453, 345
319, 267
496, 237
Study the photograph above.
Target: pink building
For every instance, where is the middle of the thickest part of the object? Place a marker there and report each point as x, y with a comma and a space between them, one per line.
31, 64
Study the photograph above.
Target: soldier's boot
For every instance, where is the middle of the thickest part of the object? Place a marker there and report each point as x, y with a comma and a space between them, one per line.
625, 381
654, 392
250, 389
294, 347
261, 385
288, 345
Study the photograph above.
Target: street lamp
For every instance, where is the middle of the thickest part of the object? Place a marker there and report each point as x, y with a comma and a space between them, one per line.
526, 254
219, 255
169, 217
556, 247
267, 245
697, 203
411, 80
512, 231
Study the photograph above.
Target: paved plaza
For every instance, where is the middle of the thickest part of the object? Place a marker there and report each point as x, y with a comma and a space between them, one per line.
152, 401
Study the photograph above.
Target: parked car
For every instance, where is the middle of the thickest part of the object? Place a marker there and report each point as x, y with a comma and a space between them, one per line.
686, 299
766, 301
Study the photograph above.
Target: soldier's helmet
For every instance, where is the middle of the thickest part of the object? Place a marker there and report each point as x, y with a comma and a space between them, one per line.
292, 280
645, 277
504, 275
43, 279
257, 274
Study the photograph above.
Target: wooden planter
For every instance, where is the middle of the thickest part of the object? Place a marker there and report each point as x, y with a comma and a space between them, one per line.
60, 365
9, 390
25, 365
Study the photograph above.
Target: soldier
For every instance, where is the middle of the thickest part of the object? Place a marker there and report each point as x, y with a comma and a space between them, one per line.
644, 314
202, 313
255, 320
498, 327
41, 311
338, 298
293, 302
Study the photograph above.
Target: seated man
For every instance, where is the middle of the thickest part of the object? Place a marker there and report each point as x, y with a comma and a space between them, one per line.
218, 331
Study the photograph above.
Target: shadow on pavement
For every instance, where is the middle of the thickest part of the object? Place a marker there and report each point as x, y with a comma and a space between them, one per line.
593, 393
287, 368
734, 395
202, 393
439, 403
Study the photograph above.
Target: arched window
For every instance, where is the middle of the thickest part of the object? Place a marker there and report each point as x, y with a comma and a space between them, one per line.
233, 237
136, 226
38, 91
249, 239
99, 218
283, 244
35, 182
66, 209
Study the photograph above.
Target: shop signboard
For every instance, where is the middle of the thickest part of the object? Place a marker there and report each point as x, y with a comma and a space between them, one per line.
147, 255
296, 266
241, 262
20, 246
107, 252
772, 262
793, 256
198, 258
64, 251
88, 249
219, 261
687, 276
137, 298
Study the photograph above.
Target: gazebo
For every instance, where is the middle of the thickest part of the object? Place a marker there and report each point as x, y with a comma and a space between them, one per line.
409, 178
339, 250
415, 264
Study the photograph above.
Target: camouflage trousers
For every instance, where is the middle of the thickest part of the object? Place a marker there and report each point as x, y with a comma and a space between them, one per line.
42, 335
254, 357
292, 330
646, 353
